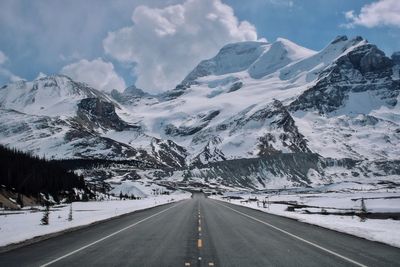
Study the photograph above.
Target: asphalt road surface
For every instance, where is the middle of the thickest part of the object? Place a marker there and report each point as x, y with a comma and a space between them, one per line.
202, 232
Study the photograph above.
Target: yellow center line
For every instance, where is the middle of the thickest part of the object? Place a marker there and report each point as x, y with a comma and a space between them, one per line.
199, 243
199, 228
211, 264
187, 264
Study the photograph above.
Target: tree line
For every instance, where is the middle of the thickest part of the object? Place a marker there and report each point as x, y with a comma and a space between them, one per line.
30, 175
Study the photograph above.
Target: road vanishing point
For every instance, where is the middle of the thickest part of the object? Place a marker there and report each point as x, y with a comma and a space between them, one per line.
202, 232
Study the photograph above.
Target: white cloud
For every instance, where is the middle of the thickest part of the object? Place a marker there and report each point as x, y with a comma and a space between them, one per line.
6, 75
96, 73
3, 58
167, 43
382, 12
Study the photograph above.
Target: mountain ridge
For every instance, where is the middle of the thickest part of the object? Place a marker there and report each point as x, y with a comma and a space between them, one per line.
252, 100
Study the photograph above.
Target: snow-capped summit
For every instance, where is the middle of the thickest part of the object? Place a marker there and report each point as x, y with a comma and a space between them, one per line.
283, 57
258, 58
281, 53
310, 67
230, 59
55, 95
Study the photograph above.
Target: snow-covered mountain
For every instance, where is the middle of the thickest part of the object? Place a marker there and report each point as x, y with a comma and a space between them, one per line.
59, 118
252, 100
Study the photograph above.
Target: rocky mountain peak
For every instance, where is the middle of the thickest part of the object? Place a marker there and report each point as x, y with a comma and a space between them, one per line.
396, 57
129, 95
345, 39
368, 58
100, 113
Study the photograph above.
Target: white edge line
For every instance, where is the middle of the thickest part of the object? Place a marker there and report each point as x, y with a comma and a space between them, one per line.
297, 237
108, 236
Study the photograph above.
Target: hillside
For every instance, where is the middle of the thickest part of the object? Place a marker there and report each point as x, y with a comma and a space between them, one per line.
40, 179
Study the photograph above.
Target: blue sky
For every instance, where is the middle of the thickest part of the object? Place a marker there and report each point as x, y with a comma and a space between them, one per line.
155, 43
313, 23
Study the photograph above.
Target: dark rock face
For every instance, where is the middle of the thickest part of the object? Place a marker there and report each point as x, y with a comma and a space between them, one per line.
98, 113
340, 38
172, 130
363, 69
130, 95
291, 136
202, 121
169, 153
175, 93
280, 120
210, 153
280, 130
396, 58
256, 172
368, 58
296, 169
236, 86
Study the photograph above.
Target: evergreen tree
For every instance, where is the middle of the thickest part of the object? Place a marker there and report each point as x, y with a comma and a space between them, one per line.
363, 207
363, 213
70, 213
20, 201
46, 213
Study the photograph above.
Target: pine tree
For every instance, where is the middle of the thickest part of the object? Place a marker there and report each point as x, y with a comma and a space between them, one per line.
45, 218
363, 207
70, 213
363, 213
20, 201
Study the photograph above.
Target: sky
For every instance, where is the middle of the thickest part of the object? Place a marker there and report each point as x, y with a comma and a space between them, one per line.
154, 44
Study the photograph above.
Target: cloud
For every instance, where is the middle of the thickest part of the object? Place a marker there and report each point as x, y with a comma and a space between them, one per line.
52, 33
380, 13
96, 73
167, 43
3, 58
6, 75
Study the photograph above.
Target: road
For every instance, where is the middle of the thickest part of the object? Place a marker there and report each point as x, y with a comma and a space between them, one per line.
202, 232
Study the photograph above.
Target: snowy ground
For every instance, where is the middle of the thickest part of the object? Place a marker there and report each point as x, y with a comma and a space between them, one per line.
382, 230
17, 226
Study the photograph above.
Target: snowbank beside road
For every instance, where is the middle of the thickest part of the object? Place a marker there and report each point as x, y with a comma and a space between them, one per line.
17, 226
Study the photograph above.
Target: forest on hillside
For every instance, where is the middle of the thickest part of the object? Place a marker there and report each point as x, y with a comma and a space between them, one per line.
31, 175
